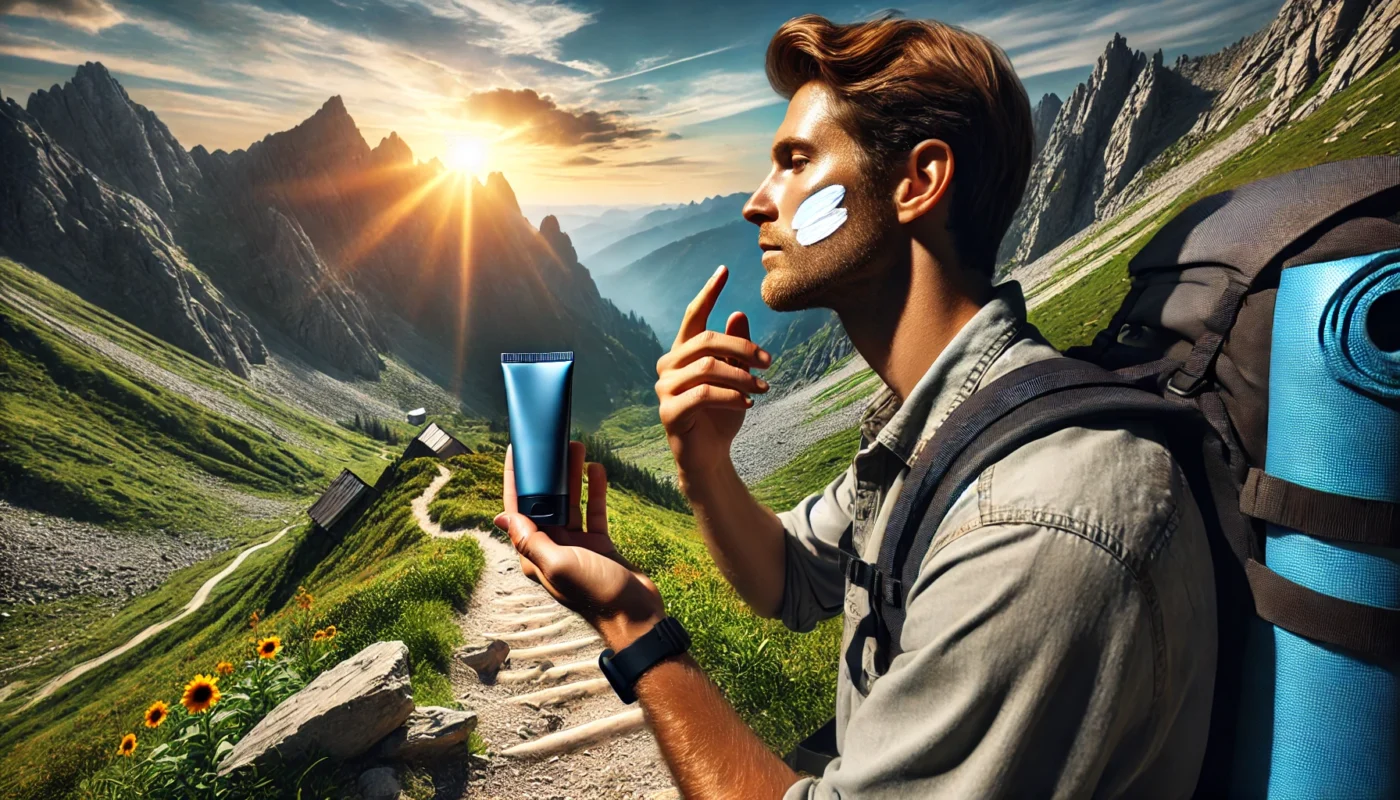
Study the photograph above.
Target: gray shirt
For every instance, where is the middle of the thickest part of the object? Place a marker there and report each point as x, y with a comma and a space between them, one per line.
1061, 637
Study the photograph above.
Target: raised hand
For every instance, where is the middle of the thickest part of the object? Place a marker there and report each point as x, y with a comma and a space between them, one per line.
704, 383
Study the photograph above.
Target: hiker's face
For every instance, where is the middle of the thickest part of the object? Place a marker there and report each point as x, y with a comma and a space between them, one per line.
812, 151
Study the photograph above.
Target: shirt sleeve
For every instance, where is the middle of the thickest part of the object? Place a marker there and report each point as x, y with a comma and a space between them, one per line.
813, 586
1028, 656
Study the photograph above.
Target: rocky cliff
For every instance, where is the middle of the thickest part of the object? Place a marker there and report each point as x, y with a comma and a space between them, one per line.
110, 247
1043, 118
1133, 108
313, 232
260, 257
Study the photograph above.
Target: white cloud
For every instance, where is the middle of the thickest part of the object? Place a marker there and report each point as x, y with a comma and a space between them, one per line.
89, 15
1053, 36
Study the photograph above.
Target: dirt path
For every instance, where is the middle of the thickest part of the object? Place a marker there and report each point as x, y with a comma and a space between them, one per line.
553, 726
192, 606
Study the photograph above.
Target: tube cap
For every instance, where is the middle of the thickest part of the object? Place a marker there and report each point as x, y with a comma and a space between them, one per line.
545, 509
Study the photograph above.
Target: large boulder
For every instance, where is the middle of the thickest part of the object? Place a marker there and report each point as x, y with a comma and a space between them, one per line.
427, 734
341, 714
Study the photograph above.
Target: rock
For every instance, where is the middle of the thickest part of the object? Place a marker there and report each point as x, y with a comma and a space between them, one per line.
342, 713
1132, 109
110, 247
427, 734
486, 660
1043, 118
380, 783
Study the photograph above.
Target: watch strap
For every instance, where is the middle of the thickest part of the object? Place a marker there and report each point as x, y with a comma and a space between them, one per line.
623, 668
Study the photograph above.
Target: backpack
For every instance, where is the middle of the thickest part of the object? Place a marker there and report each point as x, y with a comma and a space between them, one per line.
1190, 347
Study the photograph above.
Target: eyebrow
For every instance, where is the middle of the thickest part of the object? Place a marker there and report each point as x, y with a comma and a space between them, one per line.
789, 143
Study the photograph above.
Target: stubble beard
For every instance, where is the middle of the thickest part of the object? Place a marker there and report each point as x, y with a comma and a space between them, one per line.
810, 276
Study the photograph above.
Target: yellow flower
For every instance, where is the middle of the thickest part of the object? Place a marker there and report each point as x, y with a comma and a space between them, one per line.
224, 668
330, 631
253, 621
200, 693
303, 598
128, 745
269, 647
318, 636
156, 714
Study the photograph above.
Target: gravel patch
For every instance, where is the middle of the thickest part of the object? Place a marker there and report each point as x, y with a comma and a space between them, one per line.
776, 430
45, 558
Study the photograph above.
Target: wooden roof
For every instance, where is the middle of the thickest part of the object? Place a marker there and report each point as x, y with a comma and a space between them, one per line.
342, 495
437, 439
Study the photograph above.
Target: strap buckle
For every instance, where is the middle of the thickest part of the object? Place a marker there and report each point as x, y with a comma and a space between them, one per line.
875, 582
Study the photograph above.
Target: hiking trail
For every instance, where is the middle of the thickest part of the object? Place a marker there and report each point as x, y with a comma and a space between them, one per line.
195, 603
552, 723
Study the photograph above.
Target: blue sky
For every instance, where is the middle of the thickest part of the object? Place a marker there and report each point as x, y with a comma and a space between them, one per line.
609, 102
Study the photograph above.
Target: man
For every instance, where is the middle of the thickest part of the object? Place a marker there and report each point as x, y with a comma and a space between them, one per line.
1060, 640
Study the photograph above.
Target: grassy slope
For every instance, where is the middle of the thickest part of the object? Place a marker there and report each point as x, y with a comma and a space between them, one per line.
1076, 314
376, 583
90, 439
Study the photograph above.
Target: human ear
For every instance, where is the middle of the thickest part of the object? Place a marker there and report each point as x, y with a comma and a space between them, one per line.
925, 177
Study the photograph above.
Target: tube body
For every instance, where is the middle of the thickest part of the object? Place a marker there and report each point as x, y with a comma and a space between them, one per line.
539, 388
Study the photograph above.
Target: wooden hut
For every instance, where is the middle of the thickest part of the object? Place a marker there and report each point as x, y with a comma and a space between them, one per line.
434, 442
340, 506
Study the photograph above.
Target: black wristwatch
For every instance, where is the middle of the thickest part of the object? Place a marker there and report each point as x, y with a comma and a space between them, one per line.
665, 639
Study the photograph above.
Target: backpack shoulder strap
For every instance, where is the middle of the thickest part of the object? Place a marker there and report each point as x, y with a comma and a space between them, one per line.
1021, 406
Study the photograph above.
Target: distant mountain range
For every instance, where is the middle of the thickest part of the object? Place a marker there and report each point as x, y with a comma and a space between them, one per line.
310, 231
661, 227
658, 286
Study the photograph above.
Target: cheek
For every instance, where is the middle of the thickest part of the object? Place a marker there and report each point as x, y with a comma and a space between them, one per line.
820, 215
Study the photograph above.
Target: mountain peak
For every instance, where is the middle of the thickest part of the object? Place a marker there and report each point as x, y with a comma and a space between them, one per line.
335, 106
497, 185
393, 150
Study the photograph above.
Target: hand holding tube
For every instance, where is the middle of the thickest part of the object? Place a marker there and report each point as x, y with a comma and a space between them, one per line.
579, 565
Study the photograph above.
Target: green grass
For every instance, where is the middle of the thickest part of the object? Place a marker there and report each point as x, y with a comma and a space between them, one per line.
810, 471
1076, 314
87, 438
845, 392
782, 683
384, 579
471, 498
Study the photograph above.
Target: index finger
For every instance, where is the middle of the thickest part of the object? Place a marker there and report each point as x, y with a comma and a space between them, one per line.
697, 314
508, 485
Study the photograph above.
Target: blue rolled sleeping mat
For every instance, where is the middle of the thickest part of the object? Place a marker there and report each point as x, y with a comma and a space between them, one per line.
1334, 427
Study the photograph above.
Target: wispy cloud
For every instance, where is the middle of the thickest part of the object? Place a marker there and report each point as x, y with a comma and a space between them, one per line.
1047, 37
655, 67
89, 15
538, 119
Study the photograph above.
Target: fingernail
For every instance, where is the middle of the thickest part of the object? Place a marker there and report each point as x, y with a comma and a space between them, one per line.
765, 357
718, 270
500, 521
762, 385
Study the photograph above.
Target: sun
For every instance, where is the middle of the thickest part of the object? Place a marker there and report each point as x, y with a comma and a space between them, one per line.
466, 154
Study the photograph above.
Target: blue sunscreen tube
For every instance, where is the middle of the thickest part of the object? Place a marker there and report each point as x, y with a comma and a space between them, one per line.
539, 387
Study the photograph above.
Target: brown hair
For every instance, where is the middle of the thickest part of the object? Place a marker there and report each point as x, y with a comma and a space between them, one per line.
903, 81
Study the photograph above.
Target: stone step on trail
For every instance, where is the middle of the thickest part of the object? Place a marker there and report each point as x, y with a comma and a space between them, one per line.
546, 673
559, 695
535, 621
558, 648
589, 733
531, 635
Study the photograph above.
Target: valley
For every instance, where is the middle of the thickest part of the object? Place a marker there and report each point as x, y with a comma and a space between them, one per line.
186, 336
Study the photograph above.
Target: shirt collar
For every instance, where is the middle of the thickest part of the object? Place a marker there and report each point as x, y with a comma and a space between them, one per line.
904, 427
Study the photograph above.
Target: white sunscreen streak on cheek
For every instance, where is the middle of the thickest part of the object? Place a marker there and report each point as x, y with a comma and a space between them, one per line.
819, 216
